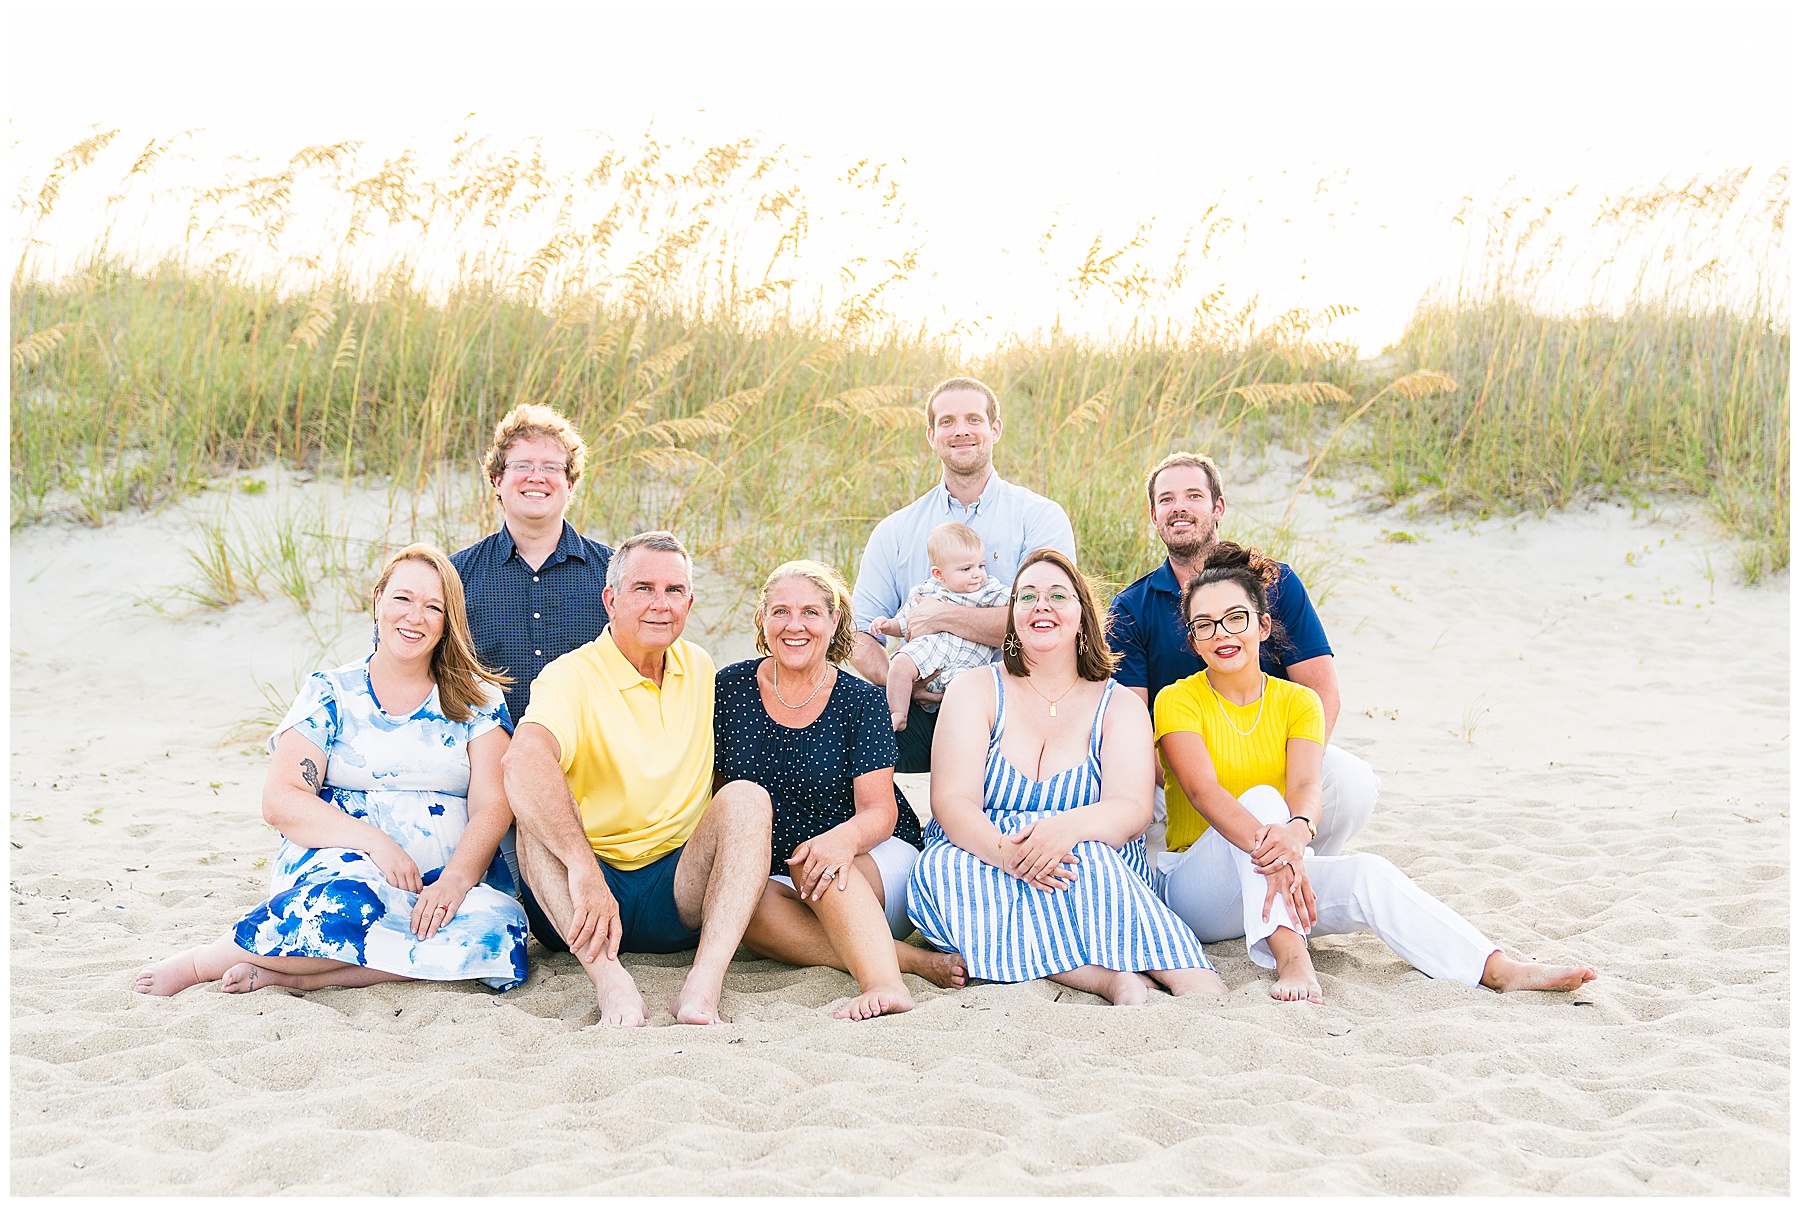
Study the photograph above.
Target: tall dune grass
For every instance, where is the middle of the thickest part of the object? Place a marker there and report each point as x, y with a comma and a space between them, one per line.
1681, 384
660, 307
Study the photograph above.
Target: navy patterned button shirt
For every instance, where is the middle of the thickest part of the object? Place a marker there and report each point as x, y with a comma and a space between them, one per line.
524, 619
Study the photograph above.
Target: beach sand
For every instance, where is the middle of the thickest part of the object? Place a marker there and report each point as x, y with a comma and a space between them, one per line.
1583, 742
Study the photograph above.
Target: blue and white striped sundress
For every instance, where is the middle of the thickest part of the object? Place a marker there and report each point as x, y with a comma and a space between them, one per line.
1007, 930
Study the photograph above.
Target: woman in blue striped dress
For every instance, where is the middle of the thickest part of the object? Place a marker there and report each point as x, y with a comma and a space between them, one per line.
1041, 779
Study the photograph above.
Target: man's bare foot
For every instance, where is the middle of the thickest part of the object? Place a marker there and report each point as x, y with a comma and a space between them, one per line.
1504, 975
945, 969
621, 1005
248, 978
695, 1007
1126, 989
1295, 980
1183, 981
622, 1008
882, 999
166, 978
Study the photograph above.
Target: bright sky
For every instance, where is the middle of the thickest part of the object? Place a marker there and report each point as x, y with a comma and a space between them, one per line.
998, 120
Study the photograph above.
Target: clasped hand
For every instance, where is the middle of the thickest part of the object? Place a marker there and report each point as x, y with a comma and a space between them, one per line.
828, 852
1276, 843
1280, 856
1039, 853
397, 867
595, 928
438, 903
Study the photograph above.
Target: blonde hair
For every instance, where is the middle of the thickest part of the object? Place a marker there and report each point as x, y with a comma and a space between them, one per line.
948, 539
454, 666
962, 383
837, 596
529, 421
1094, 659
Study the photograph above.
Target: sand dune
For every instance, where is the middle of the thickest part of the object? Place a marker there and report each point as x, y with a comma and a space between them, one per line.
1586, 754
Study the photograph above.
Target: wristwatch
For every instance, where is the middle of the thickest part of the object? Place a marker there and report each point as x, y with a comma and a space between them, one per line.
1312, 830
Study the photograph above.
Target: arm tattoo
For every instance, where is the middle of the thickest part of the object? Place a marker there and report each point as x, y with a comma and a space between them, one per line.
309, 771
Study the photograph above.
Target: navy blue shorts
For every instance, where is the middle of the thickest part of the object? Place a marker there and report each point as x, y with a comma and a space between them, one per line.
915, 740
646, 899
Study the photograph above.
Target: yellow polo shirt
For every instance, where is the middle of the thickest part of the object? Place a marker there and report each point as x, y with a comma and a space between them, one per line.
1247, 745
639, 758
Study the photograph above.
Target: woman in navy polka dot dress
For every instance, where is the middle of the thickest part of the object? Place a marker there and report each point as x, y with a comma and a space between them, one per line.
845, 838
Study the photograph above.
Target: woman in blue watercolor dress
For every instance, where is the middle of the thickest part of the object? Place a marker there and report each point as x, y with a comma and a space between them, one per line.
1041, 782
385, 785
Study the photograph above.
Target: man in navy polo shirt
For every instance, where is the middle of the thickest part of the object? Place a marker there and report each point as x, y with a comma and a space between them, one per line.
533, 588
1187, 501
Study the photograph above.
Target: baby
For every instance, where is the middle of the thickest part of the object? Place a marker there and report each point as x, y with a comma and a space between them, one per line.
959, 576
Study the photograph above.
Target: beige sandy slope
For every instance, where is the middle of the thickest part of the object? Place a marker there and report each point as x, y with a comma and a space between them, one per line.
1583, 752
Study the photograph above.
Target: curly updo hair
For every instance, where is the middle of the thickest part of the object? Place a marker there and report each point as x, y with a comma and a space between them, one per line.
1251, 570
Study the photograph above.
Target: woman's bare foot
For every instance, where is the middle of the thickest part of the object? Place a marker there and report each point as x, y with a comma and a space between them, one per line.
1183, 981
1126, 989
882, 999
1295, 980
166, 978
1504, 974
945, 969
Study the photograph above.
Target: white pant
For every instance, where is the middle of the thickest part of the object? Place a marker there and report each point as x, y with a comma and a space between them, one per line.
1216, 890
894, 859
1348, 788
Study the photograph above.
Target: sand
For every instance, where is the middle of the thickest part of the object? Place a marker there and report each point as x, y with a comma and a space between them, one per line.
1583, 740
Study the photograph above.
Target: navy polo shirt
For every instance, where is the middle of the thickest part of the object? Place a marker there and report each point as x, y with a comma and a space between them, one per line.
1146, 630
524, 619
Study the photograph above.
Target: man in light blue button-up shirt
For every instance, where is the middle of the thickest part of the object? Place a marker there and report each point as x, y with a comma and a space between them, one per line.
962, 427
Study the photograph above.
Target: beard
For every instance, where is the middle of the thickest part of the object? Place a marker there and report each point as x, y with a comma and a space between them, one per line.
1203, 537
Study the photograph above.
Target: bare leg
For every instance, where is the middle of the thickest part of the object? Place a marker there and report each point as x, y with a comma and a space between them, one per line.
850, 924
785, 928
621, 1005
1295, 980
1183, 981
1504, 974
903, 672
723, 869
1119, 988
248, 977
165, 978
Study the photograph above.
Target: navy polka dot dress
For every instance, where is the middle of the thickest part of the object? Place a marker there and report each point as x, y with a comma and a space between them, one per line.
808, 772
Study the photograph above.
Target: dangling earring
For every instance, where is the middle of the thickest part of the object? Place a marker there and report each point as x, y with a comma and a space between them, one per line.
1080, 642
1011, 644
377, 637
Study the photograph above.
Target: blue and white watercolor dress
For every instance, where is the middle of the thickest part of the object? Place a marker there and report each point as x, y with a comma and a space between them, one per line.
409, 777
1005, 929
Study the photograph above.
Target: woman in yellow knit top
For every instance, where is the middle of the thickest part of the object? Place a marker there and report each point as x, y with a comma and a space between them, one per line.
1242, 753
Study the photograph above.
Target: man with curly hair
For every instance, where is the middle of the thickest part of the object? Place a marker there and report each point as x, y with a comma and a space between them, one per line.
534, 587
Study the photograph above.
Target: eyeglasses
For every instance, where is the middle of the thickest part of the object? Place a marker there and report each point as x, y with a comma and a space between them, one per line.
1057, 597
531, 467
1231, 624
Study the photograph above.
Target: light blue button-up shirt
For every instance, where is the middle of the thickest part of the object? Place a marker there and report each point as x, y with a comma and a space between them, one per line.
1011, 521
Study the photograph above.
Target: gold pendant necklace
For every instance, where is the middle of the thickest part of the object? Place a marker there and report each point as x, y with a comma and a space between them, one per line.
1261, 699
1047, 699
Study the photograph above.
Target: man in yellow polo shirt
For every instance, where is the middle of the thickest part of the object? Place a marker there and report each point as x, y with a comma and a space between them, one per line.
623, 844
